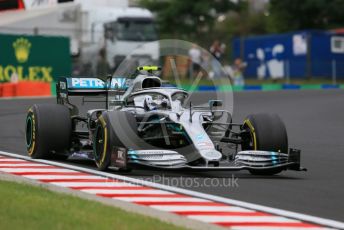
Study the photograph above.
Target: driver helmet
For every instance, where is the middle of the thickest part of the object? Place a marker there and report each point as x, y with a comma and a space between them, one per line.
149, 103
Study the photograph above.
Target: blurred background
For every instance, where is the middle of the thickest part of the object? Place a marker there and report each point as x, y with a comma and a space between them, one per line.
259, 43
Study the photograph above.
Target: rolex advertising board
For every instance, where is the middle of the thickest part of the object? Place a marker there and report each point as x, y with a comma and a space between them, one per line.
33, 58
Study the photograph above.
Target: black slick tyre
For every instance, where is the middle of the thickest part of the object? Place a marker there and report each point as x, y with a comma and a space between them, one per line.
267, 132
111, 132
48, 131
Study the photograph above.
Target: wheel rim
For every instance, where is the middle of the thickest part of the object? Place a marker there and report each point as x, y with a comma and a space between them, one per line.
29, 129
251, 141
98, 142
248, 143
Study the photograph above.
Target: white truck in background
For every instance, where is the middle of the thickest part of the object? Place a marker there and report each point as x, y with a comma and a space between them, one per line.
123, 32
91, 25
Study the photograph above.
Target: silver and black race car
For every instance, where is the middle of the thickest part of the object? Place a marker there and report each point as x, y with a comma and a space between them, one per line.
146, 123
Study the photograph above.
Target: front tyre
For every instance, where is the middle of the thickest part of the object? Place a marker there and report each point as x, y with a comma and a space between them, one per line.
114, 129
267, 132
101, 146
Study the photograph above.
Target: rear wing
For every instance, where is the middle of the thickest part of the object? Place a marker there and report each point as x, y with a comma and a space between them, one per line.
83, 86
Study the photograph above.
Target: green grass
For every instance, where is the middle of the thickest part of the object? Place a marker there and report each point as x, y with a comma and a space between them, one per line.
29, 207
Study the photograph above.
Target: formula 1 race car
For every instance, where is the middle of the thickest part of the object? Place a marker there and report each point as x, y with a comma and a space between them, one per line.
145, 123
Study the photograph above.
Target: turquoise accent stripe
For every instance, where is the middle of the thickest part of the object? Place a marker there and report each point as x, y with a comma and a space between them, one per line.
274, 158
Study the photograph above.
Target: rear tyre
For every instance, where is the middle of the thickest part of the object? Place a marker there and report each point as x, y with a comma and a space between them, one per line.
267, 132
109, 132
48, 131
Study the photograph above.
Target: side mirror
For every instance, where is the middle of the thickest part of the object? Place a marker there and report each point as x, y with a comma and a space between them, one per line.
215, 103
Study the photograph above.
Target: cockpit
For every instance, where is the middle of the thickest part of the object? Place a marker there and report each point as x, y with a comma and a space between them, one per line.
151, 101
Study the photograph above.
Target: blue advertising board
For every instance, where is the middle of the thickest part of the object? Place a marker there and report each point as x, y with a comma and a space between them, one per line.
297, 55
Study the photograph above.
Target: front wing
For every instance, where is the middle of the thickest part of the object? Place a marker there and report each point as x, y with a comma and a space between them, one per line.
171, 160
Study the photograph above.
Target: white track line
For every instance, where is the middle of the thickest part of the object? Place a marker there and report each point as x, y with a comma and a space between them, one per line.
24, 170
122, 191
11, 159
59, 177
274, 228
159, 199
180, 208
21, 165
243, 219
275, 211
93, 184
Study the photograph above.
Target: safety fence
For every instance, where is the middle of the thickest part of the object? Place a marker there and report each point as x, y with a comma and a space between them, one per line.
25, 88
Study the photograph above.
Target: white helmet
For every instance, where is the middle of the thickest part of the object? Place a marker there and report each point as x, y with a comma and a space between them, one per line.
149, 103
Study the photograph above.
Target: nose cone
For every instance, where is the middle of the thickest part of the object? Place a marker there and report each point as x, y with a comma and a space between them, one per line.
211, 155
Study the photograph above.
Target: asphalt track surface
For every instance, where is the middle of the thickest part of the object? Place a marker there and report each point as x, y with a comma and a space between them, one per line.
315, 124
